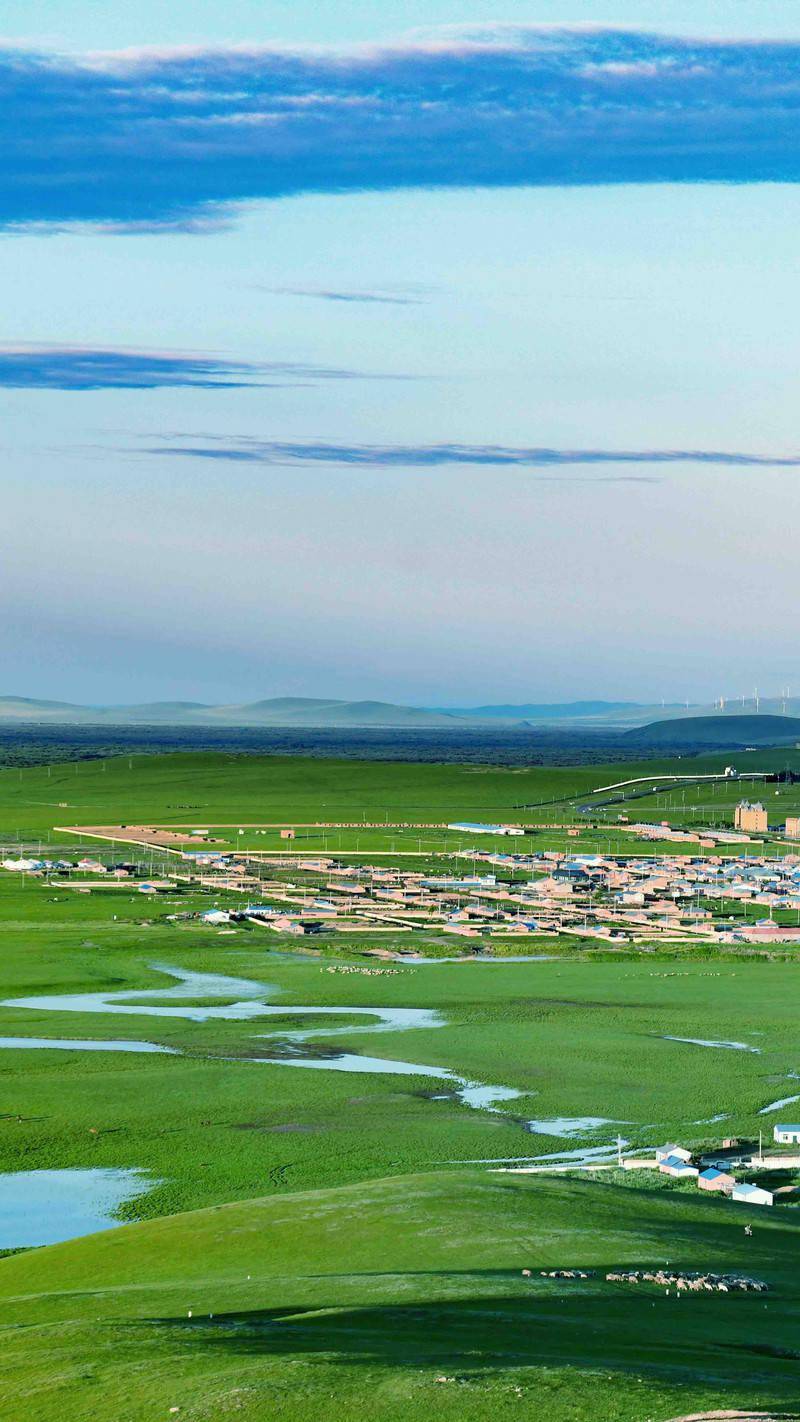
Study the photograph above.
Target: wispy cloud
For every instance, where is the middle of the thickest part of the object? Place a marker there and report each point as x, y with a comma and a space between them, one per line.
157, 138
432, 456
380, 297
28, 367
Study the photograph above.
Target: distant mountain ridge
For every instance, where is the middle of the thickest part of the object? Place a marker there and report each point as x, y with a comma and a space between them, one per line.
319, 712
279, 711
541, 711
314, 711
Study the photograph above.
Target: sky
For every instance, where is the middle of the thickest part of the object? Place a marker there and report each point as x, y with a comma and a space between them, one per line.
410, 352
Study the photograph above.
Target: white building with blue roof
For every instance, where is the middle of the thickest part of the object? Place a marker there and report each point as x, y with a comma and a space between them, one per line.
751, 1194
786, 1134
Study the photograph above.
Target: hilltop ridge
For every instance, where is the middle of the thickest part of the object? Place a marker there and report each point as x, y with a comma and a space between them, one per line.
709, 731
338, 713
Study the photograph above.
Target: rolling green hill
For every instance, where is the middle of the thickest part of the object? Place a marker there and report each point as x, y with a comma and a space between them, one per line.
405, 1298
722, 730
226, 789
318, 1244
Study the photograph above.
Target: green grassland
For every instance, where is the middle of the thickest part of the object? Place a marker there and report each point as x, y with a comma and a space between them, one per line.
235, 791
379, 1257
352, 1302
578, 1038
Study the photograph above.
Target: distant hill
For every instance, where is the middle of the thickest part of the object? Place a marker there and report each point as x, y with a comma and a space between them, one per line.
672, 725
314, 711
726, 730
280, 711
27, 708
310, 711
545, 711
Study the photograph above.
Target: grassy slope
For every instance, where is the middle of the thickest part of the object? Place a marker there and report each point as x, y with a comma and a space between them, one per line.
400, 1275
204, 787
209, 788
224, 792
579, 1038
365, 1294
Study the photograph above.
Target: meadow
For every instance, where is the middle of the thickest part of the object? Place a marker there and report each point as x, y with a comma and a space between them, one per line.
340, 1238
229, 792
355, 1301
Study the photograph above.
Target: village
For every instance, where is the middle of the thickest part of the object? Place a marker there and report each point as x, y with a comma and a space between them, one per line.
713, 1170
749, 896
717, 1170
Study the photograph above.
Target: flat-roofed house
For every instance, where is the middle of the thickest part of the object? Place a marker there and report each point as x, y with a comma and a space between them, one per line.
751, 1195
786, 1134
665, 1151
718, 1180
679, 1169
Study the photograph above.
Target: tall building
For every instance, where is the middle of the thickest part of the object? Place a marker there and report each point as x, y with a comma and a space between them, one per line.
792, 827
750, 817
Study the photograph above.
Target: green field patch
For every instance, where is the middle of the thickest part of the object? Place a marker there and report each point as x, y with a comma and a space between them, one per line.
391, 1285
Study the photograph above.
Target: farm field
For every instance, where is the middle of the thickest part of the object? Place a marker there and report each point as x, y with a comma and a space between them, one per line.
346, 1228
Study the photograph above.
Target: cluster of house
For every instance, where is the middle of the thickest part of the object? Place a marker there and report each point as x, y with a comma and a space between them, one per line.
269, 916
86, 874
752, 817
204, 860
667, 894
714, 1169
635, 898
705, 838
88, 865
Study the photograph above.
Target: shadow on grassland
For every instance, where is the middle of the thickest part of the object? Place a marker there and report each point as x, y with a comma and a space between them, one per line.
729, 1340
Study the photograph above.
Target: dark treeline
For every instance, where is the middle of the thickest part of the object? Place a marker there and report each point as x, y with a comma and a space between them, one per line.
36, 744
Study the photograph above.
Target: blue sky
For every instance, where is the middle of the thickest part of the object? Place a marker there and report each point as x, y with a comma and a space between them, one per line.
103, 24
489, 410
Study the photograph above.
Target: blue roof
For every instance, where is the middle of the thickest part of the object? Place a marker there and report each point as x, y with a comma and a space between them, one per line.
711, 1174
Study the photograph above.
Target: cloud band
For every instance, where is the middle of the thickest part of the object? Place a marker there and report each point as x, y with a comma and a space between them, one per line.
432, 456
82, 368
164, 138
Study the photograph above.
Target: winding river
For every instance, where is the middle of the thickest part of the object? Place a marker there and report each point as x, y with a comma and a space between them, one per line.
184, 999
180, 1001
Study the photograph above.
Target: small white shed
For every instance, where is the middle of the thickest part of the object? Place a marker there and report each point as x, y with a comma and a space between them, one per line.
680, 1169
671, 1151
751, 1195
